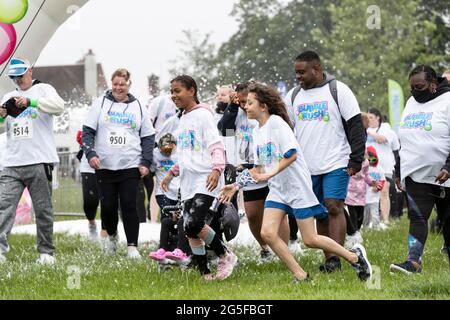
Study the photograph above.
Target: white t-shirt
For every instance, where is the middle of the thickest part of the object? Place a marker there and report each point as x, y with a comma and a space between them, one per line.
319, 127
30, 135
161, 109
425, 139
384, 150
84, 165
170, 126
377, 174
244, 144
162, 165
292, 186
2, 149
119, 129
196, 133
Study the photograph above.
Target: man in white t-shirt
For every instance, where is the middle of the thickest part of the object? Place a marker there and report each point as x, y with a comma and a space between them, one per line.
331, 135
30, 154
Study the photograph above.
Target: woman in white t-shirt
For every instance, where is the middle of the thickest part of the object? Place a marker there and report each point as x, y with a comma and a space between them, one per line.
385, 141
201, 162
424, 165
118, 141
279, 161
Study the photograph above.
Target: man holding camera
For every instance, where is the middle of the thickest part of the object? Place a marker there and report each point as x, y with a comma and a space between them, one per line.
30, 155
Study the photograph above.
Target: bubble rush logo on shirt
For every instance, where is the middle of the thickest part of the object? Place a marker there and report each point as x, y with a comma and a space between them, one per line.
126, 119
245, 133
420, 120
187, 141
375, 176
29, 113
268, 154
313, 111
166, 165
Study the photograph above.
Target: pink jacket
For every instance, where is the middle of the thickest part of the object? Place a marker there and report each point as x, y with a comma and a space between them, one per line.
356, 195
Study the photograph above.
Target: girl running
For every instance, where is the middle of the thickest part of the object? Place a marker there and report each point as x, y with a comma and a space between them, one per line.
279, 161
201, 161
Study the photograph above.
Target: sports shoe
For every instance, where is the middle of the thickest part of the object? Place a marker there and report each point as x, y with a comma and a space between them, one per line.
177, 255
294, 247
331, 265
265, 255
93, 235
362, 266
351, 241
209, 277
46, 259
158, 255
407, 267
226, 265
110, 245
133, 253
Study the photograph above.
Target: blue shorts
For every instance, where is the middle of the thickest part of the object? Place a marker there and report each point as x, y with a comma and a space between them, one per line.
318, 211
332, 185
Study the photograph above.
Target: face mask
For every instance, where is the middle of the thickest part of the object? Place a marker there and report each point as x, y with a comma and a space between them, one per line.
221, 106
422, 96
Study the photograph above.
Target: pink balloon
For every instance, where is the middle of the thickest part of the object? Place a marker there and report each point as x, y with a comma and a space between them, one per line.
8, 39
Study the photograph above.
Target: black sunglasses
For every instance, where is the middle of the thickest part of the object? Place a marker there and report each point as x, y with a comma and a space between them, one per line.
16, 77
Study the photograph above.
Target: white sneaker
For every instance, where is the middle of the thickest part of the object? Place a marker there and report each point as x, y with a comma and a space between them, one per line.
110, 245
382, 226
46, 259
93, 235
294, 247
133, 253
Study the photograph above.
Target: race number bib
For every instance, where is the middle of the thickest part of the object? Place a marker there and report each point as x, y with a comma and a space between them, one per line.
117, 139
22, 129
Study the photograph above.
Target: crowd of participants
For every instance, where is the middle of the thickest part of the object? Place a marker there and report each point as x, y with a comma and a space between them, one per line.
308, 165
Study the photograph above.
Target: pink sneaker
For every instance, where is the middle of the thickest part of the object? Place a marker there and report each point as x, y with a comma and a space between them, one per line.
159, 255
226, 265
177, 255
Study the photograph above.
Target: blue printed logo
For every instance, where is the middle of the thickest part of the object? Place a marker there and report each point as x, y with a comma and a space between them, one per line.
245, 133
187, 141
268, 154
125, 119
166, 165
29, 113
375, 176
313, 111
420, 120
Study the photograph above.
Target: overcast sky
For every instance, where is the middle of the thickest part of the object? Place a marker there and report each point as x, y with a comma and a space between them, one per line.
140, 35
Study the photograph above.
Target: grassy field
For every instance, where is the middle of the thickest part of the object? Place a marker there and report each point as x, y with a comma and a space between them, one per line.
100, 277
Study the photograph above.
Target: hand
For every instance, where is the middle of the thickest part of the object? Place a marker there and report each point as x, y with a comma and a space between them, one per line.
213, 180
166, 182
234, 98
260, 177
95, 163
227, 193
398, 183
144, 171
351, 172
443, 176
21, 102
3, 112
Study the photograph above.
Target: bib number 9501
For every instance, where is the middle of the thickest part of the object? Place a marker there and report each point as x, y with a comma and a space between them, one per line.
118, 139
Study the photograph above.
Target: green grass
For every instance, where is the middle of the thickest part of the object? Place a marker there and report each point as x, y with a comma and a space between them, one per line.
117, 278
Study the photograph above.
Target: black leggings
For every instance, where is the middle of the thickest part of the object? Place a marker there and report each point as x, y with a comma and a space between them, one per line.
422, 198
90, 195
293, 228
110, 193
354, 219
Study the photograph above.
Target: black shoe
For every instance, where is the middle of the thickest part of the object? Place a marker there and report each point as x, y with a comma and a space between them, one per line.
331, 265
407, 267
362, 267
266, 255
306, 280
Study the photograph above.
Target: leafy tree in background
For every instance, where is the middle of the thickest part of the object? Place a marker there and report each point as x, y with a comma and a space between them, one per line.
272, 33
365, 58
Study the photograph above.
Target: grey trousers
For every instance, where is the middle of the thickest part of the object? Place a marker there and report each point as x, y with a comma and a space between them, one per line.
12, 183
